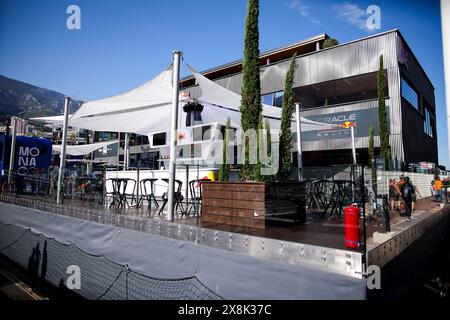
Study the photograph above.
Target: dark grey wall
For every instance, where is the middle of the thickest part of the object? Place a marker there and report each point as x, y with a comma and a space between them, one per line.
418, 146
350, 59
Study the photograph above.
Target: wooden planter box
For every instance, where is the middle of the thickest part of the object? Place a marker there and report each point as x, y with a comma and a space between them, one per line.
252, 204
234, 203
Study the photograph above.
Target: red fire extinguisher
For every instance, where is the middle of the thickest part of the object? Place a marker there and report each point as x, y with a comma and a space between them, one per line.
351, 226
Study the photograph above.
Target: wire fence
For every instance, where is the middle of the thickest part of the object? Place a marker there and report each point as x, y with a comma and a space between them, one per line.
47, 259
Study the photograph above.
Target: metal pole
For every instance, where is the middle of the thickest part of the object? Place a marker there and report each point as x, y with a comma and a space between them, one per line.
299, 142
173, 132
353, 145
352, 129
445, 20
12, 155
67, 101
118, 150
126, 156
186, 191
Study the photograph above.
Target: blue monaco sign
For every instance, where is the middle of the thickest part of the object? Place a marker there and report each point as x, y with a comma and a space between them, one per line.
30, 154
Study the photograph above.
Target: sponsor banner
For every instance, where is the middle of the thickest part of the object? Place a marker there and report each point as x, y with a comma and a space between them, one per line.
360, 119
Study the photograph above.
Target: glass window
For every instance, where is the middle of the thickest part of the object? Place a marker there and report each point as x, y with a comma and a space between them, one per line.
159, 139
428, 123
267, 99
410, 94
202, 133
279, 99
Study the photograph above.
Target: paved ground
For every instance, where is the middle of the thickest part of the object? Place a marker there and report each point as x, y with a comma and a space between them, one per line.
13, 288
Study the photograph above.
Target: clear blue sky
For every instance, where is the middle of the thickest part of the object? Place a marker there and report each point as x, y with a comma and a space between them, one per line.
124, 43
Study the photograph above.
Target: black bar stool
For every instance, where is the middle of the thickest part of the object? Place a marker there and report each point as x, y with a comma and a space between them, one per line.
196, 191
148, 192
178, 197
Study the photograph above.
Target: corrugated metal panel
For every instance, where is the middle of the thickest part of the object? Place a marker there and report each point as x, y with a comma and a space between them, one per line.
313, 68
325, 66
303, 72
267, 76
355, 58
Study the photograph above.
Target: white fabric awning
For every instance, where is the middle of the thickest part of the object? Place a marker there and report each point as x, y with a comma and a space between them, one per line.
81, 150
147, 108
224, 103
143, 109
54, 120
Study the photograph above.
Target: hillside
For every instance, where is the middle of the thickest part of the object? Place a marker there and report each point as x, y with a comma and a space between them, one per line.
25, 100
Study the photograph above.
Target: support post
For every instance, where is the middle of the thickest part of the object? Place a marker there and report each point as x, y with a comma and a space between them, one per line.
126, 152
299, 142
62, 163
352, 129
445, 24
353, 145
173, 133
12, 155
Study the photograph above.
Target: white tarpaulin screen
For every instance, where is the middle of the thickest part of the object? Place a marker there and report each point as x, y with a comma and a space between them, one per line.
84, 149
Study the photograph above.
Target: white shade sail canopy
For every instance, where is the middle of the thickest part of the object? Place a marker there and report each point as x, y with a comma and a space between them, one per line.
147, 108
143, 109
54, 120
222, 103
81, 150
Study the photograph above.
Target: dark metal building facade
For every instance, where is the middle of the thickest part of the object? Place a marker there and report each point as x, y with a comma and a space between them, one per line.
339, 83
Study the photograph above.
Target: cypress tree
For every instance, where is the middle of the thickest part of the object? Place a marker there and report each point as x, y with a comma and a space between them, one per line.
268, 178
385, 148
371, 143
259, 137
372, 157
224, 171
285, 167
251, 87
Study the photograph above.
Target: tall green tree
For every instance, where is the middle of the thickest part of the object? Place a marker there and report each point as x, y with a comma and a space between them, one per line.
372, 156
385, 148
371, 143
330, 42
268, 178
224, 171
251, 87
257, 176
287, 109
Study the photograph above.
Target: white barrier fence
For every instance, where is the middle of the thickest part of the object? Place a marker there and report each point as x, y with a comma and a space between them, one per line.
421, 181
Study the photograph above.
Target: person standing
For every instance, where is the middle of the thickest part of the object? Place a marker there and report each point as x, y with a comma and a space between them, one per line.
393, 195
398, 188
437, 188
407, 192
416, 193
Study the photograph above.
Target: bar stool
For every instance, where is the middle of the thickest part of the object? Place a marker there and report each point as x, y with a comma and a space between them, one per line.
196, 191
178, 197
148, 192
128, 190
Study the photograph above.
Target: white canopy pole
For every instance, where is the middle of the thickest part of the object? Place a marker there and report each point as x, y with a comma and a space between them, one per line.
67, 101
13, 148
126, 158
299, 142
352, 130
353, 145
173, 132
445, 20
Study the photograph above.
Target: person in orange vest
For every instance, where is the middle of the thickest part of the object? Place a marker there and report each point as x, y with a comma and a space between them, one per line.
437, 186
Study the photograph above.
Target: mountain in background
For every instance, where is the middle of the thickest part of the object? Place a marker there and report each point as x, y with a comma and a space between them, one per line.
24, 100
